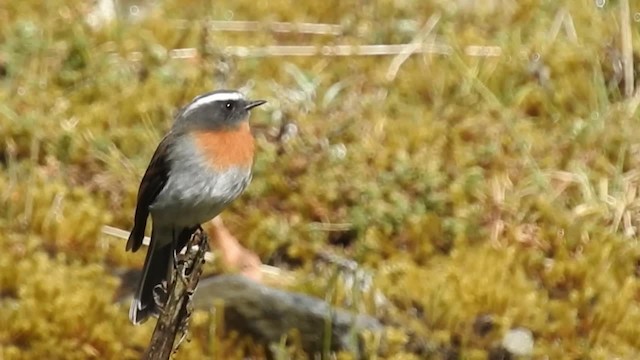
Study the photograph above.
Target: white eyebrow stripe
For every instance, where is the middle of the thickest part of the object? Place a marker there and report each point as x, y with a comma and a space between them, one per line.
223, 96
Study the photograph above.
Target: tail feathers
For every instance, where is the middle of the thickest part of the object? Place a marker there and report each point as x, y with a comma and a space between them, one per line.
154, 271
136, 237
158, 262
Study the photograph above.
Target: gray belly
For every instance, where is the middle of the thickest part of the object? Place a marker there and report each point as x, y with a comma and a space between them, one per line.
195, 194
193, 200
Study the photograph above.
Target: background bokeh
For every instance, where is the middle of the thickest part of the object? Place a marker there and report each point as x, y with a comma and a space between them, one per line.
488, 182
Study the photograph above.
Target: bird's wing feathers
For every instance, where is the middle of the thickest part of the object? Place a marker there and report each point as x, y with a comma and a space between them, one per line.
152, 183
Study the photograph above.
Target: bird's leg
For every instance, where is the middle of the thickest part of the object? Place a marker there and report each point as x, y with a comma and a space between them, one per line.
185, 265
176, 260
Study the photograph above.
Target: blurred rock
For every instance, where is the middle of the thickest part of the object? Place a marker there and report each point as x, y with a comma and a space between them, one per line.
518, 341
267, 314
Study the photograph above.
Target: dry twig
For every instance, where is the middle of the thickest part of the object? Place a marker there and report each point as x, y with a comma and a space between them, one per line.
174, 316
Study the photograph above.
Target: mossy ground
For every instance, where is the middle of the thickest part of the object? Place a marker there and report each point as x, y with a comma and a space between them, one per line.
501, 188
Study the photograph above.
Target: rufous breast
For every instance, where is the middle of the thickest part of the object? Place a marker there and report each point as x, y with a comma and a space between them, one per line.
227, 148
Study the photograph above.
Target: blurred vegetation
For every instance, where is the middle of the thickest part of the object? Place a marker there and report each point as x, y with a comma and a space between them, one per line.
500, 191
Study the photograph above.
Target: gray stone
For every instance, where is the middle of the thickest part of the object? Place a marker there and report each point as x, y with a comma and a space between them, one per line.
267, 314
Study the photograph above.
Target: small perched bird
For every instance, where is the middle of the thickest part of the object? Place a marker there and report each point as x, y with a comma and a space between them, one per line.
199, 167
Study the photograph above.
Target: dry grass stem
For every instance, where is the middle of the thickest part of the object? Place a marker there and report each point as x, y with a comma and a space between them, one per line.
275, 27
627, 47
423, 35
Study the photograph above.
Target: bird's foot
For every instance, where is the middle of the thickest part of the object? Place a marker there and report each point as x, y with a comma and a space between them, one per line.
160, 295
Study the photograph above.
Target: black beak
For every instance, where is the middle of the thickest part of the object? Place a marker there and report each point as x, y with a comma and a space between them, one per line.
251, 104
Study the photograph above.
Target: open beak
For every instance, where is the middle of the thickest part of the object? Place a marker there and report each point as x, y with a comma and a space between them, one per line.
251, 104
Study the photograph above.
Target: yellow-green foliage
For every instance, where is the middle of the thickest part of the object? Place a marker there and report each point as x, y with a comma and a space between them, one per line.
503, 188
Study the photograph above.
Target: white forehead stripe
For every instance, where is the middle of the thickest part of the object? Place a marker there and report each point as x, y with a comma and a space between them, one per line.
222, 96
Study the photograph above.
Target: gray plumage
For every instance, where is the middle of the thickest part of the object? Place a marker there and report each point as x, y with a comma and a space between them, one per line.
181, 190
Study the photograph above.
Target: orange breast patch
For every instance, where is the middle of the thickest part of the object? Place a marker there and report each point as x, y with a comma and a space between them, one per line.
227, 148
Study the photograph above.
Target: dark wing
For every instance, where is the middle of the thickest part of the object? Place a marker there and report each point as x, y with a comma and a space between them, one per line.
152, 183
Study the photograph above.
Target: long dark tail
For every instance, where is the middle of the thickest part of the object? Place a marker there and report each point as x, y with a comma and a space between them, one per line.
157, 264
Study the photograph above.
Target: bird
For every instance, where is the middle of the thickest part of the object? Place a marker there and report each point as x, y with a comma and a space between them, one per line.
201, 165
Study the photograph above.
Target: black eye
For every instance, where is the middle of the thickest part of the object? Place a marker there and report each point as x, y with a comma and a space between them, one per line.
229, 105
